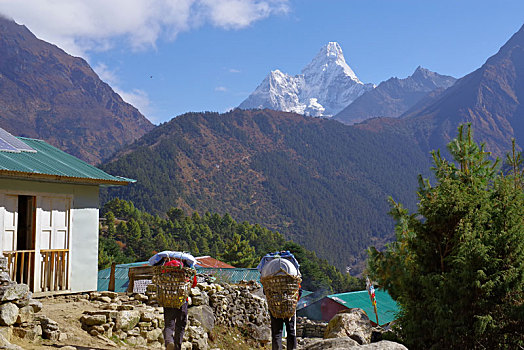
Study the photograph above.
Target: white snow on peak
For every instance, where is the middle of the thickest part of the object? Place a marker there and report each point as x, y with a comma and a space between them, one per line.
330, 57
325, 86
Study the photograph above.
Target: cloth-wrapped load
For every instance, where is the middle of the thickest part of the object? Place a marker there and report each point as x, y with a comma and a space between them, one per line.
281, 281
188, 259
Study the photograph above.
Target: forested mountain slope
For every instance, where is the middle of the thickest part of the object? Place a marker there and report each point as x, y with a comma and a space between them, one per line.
319, 182
137, 235
47, 94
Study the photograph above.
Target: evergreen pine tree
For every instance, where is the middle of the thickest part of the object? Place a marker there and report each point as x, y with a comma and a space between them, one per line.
457, 267
110, 222
239, 253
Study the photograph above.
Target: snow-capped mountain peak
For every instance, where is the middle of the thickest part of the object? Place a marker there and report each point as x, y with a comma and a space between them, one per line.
330, 56
327, 85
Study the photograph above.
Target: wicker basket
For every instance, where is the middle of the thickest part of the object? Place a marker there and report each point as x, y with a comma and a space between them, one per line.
282, 294
173, 284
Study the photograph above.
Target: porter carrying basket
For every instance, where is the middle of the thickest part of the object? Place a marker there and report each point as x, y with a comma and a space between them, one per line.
281, 292
173, 284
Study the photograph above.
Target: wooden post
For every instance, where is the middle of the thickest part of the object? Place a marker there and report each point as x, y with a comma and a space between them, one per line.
111, 286
131, 276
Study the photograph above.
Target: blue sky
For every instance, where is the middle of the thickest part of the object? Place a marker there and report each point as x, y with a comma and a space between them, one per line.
168, 57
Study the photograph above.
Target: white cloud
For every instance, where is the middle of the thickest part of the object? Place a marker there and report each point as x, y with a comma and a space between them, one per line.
138, 98
241, 13
106, 74
80, 26
233, 70
221, 88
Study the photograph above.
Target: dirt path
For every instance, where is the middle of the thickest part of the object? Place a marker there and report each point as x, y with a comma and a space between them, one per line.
66, 311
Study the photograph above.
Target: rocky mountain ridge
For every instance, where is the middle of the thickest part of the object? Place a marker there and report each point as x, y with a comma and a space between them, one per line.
490, 98
325, 86
395, 96
47, 94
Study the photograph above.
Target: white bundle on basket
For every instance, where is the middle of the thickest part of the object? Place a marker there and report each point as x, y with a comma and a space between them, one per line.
281, 283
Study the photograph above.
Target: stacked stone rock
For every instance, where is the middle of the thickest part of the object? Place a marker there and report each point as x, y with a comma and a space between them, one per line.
17, 312
239, 305
349, 329
125, 317
137, 319
307, 328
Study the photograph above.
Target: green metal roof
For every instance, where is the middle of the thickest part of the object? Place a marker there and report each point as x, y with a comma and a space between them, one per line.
221, 274
121, 276
229, 275
51, 164
387, 308
305, 293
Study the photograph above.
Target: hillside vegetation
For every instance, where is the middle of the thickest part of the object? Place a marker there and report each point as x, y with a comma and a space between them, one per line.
320, 183
132, 235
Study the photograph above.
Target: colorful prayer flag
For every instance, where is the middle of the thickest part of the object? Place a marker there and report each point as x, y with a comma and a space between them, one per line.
371, 292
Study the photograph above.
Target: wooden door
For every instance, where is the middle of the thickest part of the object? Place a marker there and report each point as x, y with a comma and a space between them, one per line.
54, 234
18, 237
9, 237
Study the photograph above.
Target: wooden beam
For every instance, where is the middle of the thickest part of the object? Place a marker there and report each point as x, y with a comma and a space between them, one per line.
111, 286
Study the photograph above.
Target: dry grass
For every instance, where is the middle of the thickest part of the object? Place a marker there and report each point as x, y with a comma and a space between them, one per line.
233, 338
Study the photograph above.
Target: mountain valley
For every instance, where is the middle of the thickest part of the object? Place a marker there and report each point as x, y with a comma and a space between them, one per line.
271, 162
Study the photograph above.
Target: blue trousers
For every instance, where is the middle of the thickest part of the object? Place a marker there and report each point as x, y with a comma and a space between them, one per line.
175, 322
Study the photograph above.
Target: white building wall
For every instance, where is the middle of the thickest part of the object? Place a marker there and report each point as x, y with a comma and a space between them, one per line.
83, 245
84, 239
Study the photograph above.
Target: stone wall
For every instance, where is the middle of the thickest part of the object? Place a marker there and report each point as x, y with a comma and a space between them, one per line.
17, 312
137, 319
307, 328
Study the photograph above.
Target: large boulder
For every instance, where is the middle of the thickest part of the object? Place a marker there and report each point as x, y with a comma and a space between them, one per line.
383, 345
199, 297
261, 334
203, 314
5, 344
35, 304
332, 344
154, 335
8, 314
353, 323
93, 320
14, 291
5, 279
147, 316
127, 319
25, 315
346, 343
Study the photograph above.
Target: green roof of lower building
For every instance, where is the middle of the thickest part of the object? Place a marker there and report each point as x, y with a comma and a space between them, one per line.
228, 275
387, 308
49, 163
121, 276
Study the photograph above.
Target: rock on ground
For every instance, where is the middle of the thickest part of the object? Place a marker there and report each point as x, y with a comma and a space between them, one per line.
353, 323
